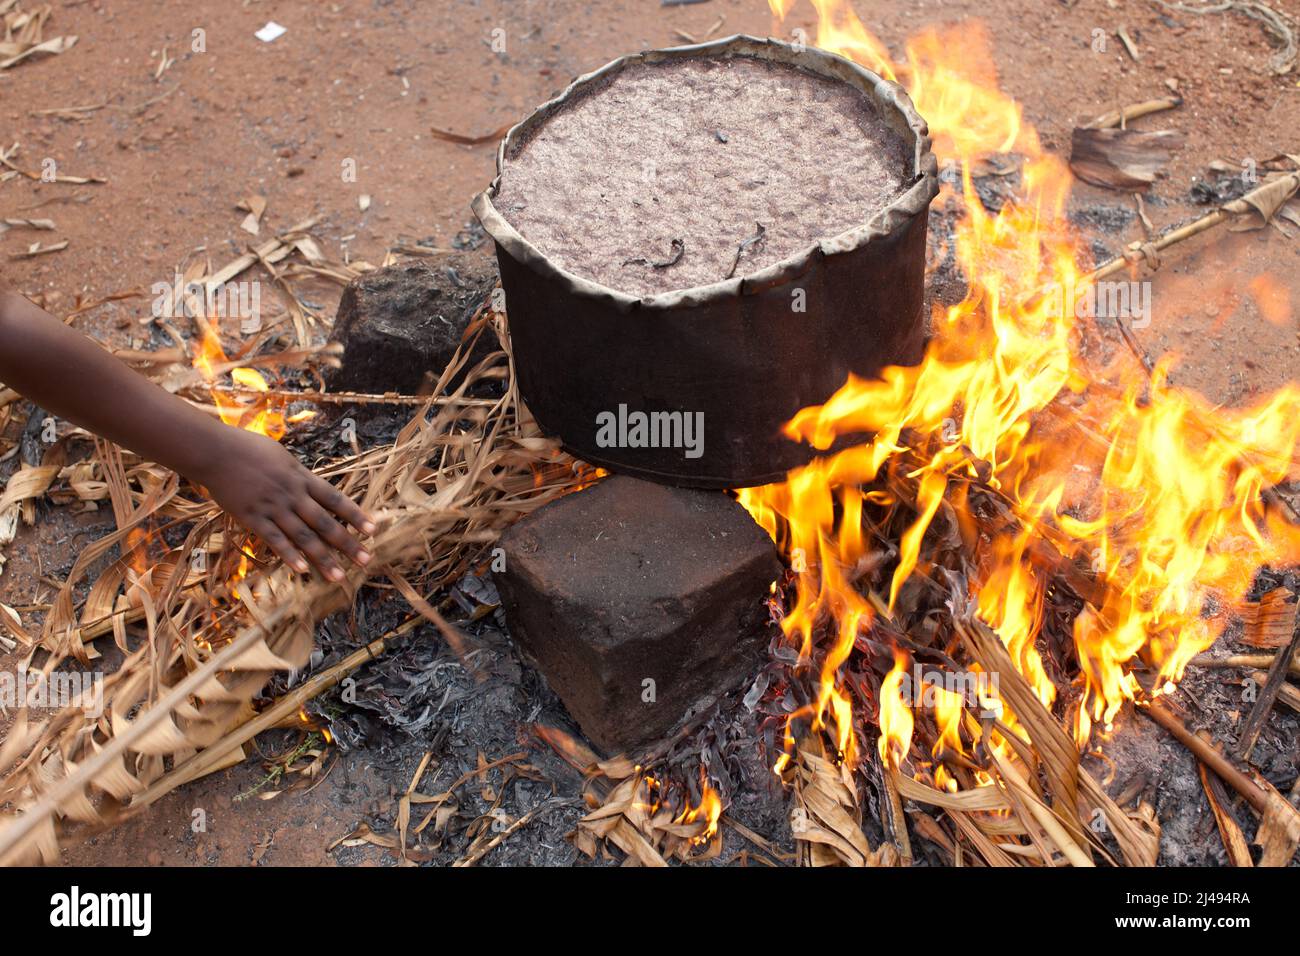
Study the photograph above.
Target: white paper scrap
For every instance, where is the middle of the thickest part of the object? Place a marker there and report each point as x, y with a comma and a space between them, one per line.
272, 31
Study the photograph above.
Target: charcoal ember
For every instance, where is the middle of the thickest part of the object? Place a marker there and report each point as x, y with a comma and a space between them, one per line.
403, 322
411, 689
1267, 579
1103, 218
639, 603
482, 590
1221, 190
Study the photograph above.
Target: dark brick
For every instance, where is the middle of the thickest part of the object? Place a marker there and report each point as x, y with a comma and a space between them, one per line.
630, 580
398, 323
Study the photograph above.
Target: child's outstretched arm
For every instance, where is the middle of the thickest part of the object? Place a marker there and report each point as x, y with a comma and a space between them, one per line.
256, 481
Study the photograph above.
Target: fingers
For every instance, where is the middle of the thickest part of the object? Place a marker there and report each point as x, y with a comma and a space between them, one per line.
300, 527
333, 533
306, 540
278, 542
340, 504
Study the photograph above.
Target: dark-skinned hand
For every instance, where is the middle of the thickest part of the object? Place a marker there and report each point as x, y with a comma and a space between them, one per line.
255, 480
298, 514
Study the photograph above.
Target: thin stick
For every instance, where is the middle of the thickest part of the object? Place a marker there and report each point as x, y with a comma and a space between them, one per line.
1134, 346
1267, 697
897, 822
1161, 243
354, 398
37, 177
1234, 841
496, 841
1287, 694
1182, 233
1244, 660
63, 110
203, 762
39, 250
1121, 116
1208, 755
754, 838
1129, 45
273, 250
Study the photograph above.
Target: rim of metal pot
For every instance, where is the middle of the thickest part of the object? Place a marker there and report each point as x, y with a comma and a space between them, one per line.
888, 95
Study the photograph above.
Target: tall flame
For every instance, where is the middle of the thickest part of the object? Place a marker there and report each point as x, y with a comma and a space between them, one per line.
1176, 523
896, 721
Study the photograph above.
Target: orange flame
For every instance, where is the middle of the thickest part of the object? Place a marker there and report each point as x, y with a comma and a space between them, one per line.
896, 721
264, 413
1176, 521
708, 811
138, 541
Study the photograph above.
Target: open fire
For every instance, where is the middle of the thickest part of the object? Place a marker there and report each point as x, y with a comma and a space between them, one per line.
1159, 501
998, 549
253, 408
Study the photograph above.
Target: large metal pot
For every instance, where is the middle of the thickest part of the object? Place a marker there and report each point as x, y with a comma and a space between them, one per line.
731, 351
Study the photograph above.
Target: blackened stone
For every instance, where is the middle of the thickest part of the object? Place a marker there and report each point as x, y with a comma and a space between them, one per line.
399, 323
628, 582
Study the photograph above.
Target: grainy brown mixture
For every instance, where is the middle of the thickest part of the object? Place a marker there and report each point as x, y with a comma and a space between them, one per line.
680, 162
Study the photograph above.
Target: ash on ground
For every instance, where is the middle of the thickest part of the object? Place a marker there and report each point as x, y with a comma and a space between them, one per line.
420, 697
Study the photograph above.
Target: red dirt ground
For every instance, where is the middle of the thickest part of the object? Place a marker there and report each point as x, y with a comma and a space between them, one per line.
367, 80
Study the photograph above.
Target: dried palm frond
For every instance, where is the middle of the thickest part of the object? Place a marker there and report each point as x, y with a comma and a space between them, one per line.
651, 820
24, 35
825, 817
457, 474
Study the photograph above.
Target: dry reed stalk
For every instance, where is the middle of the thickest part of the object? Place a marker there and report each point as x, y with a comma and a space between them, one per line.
1134, 111
213, 757
1244, 660
1206, 752
1234, 841
1269, 195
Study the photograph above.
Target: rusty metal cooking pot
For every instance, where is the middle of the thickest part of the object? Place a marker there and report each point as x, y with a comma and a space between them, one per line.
731, 350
